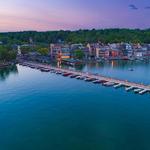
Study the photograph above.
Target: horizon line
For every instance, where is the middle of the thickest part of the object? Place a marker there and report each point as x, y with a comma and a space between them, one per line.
71, 30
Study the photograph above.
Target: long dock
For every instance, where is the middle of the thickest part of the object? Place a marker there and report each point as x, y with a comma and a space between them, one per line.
116, 83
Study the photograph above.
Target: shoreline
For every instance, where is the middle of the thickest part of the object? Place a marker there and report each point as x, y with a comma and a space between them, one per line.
6, 65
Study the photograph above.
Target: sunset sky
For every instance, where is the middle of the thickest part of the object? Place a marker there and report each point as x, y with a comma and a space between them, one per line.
43, 15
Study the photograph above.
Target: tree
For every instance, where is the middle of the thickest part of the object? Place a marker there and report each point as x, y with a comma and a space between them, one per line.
80, 36
6, 54
26, 49
43, 51
3, 54
11, 55
78, 54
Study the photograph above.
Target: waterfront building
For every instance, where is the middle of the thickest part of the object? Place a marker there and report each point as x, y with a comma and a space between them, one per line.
127, 50
63, 50
103, 53
147, 54
138, 54
136, 46
114, 53
93, 49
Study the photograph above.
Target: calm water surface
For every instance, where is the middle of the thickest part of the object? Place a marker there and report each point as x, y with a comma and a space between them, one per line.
43, 111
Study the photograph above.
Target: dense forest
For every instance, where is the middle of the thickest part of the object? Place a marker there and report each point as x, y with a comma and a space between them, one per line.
6, 54
80, 36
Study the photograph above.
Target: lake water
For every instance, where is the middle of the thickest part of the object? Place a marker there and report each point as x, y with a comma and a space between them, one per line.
44, 111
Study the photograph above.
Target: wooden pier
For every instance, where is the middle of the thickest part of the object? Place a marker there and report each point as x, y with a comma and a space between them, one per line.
116, 83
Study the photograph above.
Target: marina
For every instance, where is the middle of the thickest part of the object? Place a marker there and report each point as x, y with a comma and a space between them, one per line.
89, 77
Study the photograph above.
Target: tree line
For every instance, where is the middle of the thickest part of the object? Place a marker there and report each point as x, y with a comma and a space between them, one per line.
80, 36
7, 54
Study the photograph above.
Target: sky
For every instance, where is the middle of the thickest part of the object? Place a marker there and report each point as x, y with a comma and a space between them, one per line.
46, 15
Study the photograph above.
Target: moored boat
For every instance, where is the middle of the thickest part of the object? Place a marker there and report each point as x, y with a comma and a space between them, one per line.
45, 70
89, 79
73, 76
67, 74
96, 81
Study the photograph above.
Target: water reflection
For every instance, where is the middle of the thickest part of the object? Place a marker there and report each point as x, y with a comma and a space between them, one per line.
5, 72
135, 71
113, 64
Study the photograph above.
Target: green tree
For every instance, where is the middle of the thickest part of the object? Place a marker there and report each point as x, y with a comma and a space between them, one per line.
26, 49
3, 54
78, 54
83, 36
11, 55
43, 51
6, 54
